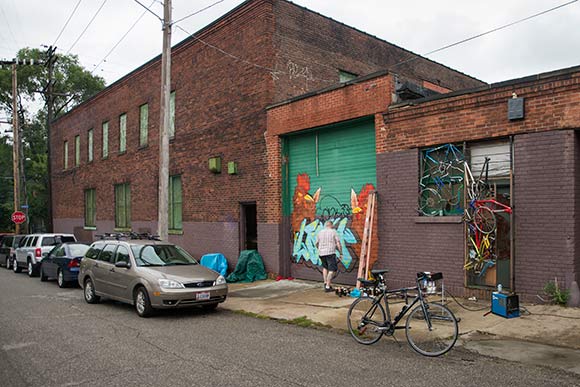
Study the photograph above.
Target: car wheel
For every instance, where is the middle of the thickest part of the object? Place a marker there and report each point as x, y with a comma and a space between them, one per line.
89, 292
60, 279
43, 277
31, 271
8, 263
142, 303
15, 267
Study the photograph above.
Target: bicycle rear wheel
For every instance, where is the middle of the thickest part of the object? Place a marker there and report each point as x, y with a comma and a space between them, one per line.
364, 319
442, 335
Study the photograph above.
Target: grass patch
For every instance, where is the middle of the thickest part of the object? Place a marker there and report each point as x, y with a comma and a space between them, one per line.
252, 314
303, 321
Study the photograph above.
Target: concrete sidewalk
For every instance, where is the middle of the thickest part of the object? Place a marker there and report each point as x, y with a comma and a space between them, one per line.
547, 335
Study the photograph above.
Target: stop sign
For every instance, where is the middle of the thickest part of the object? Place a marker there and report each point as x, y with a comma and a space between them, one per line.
18, 217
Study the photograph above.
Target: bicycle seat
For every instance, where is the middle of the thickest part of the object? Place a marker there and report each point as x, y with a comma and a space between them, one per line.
379, 271
367, 284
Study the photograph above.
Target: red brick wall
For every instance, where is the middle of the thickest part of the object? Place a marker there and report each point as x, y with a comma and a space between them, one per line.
551, 103
219, 112
343, 103
312, 48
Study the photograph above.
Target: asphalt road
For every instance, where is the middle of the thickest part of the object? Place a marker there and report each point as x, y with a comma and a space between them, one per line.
51, 337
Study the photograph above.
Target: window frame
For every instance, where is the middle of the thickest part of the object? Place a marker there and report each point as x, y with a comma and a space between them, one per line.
123, 133
123, 202
143, 125
65, 155
171, 129
90, 210
175, 208
77, 150
105, 132
90, 145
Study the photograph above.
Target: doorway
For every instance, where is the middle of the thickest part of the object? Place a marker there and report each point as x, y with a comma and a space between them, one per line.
248, 226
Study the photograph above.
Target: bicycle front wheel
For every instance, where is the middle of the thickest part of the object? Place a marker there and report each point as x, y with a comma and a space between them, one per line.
365, 319
437, 339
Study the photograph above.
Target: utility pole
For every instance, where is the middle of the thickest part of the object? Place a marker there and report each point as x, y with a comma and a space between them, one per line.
163, 207
16, 144
50, 60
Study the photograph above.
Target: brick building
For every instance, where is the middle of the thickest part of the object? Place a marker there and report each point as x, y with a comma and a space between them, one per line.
528, 129
105, 151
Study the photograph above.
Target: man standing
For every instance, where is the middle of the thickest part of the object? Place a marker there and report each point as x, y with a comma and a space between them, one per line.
328, 242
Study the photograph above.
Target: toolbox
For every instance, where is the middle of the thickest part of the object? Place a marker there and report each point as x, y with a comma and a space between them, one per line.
505, 305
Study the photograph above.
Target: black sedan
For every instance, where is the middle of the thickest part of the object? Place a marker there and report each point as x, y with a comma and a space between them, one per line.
62, 263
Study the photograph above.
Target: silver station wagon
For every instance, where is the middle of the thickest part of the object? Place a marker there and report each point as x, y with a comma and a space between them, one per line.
148, 274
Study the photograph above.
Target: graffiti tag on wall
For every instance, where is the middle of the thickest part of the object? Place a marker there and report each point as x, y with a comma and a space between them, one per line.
309, 213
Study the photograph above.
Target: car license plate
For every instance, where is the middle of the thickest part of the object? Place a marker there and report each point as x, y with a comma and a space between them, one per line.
202, 296
73, 269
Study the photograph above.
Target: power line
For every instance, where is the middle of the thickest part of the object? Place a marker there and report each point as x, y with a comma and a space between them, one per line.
486, 32
88, 25
67, 21
8, 25
122, 37
148, 9
196, 12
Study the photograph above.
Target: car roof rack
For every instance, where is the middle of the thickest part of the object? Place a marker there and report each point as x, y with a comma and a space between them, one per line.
127, 236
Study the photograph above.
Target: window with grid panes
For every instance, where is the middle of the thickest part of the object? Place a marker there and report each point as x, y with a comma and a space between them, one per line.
123, 206
77, 150
105, 139
172, 114
90, 207
143, 124
122, 133
175, 203
90, 146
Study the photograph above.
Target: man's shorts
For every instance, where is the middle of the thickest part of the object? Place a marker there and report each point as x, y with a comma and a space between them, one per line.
329, 262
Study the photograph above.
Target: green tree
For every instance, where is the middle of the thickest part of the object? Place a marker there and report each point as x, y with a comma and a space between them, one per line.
6, 188
72, 84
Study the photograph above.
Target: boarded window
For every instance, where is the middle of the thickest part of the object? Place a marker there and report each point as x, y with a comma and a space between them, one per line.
175, 203
105, 139
122, 133
499, 155
90, 145
143, 124
123, 206
90, 207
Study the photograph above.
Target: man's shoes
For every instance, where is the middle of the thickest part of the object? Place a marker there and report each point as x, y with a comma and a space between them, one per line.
328, 289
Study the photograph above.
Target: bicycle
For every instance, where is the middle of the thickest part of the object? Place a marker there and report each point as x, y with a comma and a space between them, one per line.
431, 328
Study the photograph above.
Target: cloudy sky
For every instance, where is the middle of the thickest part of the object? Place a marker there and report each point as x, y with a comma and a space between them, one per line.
547, 42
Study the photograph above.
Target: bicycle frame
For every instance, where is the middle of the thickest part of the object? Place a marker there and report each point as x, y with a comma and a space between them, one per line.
391, 324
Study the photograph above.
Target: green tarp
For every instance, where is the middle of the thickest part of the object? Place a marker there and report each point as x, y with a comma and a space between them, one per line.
250, 268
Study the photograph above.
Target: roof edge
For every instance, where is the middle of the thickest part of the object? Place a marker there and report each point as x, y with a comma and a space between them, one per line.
496, 85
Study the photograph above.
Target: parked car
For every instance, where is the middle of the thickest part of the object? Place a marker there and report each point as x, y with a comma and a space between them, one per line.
63, 263
31, 249
8, 247
150, 275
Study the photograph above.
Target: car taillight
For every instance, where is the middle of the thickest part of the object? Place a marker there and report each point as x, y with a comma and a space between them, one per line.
38, 253
74, 263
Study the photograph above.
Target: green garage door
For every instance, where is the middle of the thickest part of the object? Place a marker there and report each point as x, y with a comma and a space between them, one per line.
329, 174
